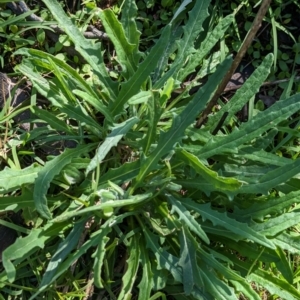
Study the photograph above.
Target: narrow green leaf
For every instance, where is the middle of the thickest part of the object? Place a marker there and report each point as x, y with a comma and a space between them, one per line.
141, 97
180, 9
274, 285
52, 120
262, 156
288, 241
272, 179
211, 39
99, 255
246, 289
123, 47
63, 249
278, 224
117, 133
38, 56
219, 182
270, 206
80, 115
15, 178
133, 85
221, 219
158, 78
259, 124
168, 139
215, 286
284, 266
165, 260
191, 29
187, 219
154, 113
95, 102
24, 246
245, 93
62, 81
185, 44
212, 262
128, 19
130, 275
71, 258
89, 50
132, 201
188, 261
47, 173
146, 284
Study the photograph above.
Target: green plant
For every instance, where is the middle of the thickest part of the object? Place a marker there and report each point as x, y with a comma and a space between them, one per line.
171, 210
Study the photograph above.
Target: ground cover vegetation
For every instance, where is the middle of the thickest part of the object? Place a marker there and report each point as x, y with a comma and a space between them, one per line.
111, 189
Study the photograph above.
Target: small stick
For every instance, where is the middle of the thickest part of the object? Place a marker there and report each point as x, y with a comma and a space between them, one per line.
220, 124
246, 44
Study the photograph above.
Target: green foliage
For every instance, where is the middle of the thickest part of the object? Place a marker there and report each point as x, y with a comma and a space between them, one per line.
155, 207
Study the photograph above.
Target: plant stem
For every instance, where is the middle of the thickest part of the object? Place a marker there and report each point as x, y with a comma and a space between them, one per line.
246, 44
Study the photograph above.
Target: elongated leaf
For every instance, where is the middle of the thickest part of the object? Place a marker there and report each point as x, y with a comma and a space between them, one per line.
205, 47
180, 9
185, 44
90, 51
274, 285
112, 140
246, 289
165, 260
133, 85
275, 225
92, 242
141, 97
288, 241
146, 284
168, 139
212, 262
221, 219
134, 200
15, 178
215, 286
192, 29
123, 47
245, 93
47, 173
95, 102
99, 256
62, 268
158, 79
187, 219
188, 261
273, 178
124, 173
38, 56
48, 90
52, 120
129, 13
62, 82
259, 124
24, 246
130, 275
63, 249
284, 266
25, 200
268, 207
80, 115
262, 156
219, 182
154, 113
